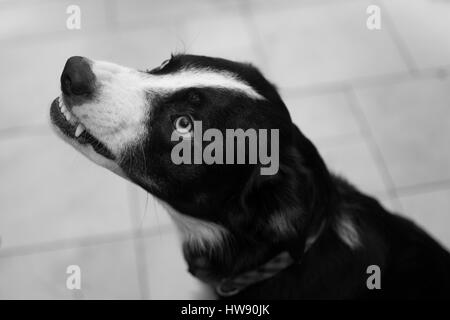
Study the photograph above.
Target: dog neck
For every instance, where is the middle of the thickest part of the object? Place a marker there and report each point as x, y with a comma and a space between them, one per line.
231, 286
206, 242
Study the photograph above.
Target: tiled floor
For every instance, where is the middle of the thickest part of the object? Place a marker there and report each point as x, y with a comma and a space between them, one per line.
376, 103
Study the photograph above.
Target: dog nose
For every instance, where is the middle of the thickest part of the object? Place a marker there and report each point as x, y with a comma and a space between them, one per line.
77, 78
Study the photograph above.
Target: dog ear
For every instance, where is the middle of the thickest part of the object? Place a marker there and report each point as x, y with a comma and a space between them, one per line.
320, 191
286, 205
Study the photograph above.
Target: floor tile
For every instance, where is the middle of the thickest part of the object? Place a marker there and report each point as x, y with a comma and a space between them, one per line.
143, 48
354, 162
430, 210
226, 35
327, 43
424, 27
322, 118
108, 271
150, 12
30, 81
147, 211
50, 192
168, 277
411, 126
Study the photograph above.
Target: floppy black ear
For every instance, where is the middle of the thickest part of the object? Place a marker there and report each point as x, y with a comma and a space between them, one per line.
289, 205
320, 185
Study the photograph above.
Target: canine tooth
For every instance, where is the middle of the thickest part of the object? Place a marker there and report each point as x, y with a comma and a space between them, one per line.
63, 109
67, 115
79, 130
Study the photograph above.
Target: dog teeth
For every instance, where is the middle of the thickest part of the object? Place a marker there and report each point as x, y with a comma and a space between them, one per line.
61, 102
80, 130
67, 115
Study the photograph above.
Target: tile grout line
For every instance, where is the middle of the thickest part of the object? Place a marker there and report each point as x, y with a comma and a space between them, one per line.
139, 246
402, 48
342, 85
363, 82
422, 188
368, 136
64, 244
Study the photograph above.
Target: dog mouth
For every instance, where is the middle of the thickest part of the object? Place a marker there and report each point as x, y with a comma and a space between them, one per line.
72, 128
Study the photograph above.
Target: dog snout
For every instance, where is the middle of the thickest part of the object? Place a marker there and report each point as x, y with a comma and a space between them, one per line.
77, 78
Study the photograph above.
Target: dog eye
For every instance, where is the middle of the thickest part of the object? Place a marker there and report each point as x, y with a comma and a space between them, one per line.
183, 125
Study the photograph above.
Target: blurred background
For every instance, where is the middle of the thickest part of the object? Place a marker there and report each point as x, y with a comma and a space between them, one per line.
375, 102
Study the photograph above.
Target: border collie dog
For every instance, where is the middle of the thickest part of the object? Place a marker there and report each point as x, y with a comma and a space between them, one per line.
301, 233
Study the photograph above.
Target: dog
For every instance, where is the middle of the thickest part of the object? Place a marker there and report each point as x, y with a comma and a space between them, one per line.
301, 233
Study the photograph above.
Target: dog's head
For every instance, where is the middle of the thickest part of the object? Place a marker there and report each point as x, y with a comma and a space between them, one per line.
130, 121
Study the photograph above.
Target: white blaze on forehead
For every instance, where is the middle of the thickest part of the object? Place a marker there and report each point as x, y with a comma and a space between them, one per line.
187, 78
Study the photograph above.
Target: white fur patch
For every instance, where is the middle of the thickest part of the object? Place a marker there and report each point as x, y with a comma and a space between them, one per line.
195, 231
117, 115
347, 232
199, 78
280, 224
